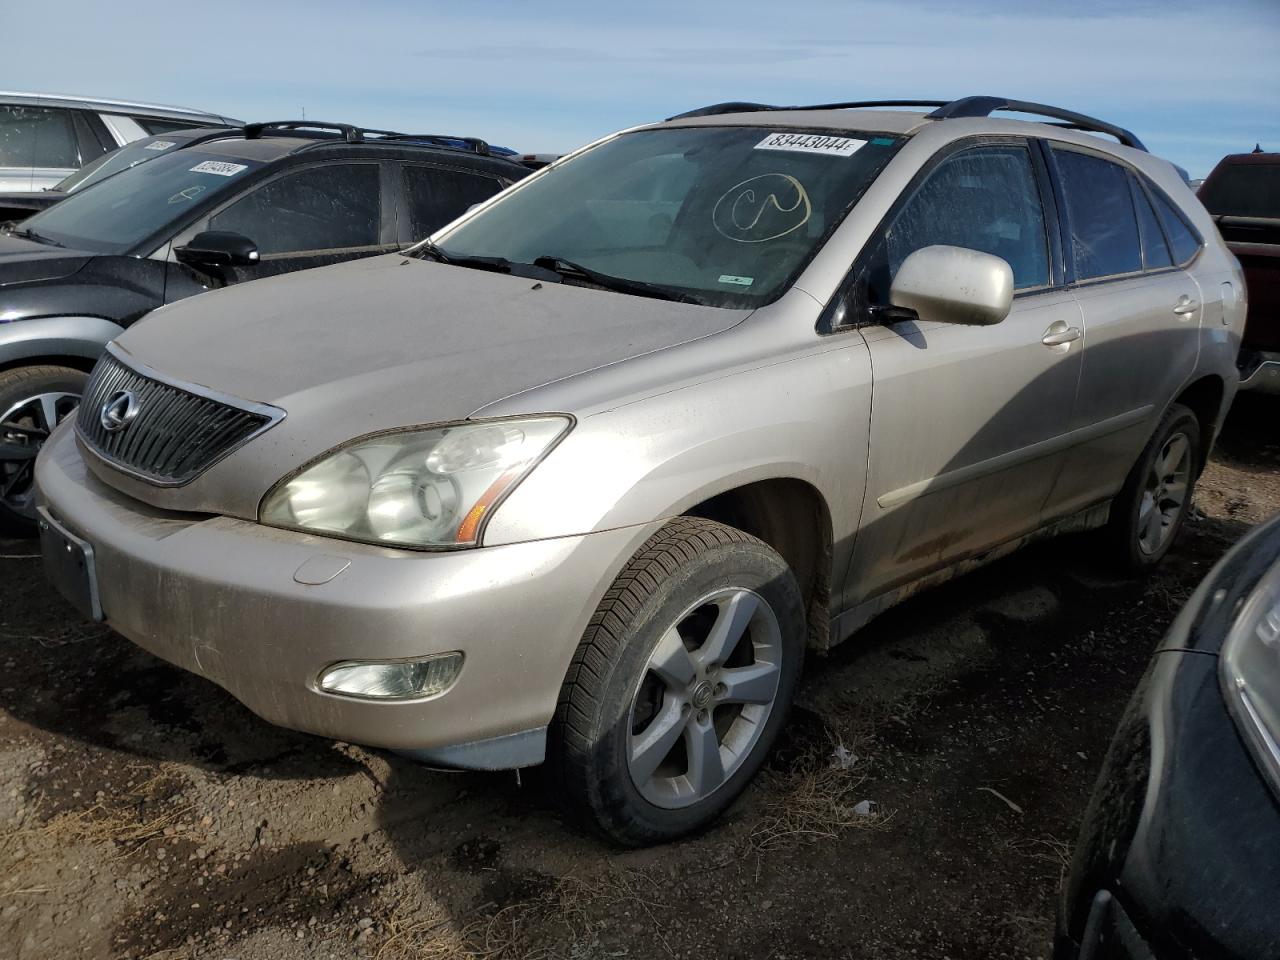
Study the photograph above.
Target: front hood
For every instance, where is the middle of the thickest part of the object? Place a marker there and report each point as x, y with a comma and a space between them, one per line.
25, 261
382, 343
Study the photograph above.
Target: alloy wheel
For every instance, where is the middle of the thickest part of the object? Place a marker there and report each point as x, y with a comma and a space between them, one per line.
24, 428
704, 698
1165, 494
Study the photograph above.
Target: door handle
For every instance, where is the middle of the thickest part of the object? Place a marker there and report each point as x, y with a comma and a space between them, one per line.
1060, 335
1185, 306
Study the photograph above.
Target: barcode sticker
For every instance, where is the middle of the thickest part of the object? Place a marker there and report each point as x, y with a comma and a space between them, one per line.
159, 145
219, 167
811, 143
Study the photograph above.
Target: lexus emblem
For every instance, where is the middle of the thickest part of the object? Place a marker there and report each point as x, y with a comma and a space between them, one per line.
119, 411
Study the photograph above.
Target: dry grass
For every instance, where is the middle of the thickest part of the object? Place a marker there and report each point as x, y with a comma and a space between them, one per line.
1047, 849
570, 906
814, 800
129, 820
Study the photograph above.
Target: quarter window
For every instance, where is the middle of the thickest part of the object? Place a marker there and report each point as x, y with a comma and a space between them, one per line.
436, 196
984, 199
37, 137
1104, 231
1181, 237
1155, 251
330, 207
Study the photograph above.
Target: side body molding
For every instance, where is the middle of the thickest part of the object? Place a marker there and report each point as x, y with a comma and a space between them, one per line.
80, 337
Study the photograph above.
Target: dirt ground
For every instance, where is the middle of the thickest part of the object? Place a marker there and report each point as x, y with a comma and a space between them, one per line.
145, 813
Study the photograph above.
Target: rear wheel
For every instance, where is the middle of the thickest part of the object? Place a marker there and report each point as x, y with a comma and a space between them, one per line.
33, 400
1156, 497
680, 684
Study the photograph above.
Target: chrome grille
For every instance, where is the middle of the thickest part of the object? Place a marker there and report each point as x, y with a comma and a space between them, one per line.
177, 433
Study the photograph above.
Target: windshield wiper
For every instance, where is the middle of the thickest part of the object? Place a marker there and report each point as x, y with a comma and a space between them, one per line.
567, 268
429, 250
26, 233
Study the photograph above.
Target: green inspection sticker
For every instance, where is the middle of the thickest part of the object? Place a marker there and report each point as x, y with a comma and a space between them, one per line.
738, 281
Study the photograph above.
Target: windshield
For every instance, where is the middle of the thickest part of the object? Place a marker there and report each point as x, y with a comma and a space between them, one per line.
726, 216
1243, 190
125, 209
127, 156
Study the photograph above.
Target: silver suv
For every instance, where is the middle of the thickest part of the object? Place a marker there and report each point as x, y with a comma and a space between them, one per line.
581, 478
45, 137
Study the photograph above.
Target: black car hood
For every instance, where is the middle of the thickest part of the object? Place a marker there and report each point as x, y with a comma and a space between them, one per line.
26, 261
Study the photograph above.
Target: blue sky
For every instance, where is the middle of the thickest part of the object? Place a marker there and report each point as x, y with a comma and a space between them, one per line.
1195, 80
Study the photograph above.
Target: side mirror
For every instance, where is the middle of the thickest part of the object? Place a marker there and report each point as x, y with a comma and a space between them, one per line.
218, 248
954, 285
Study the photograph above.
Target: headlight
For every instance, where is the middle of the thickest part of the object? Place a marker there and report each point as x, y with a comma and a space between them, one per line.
1250, 665
414, 488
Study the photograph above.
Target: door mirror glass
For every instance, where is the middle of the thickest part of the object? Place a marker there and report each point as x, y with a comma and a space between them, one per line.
218, 248
954, 285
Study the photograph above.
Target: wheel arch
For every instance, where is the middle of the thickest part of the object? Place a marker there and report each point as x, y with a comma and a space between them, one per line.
1203, 397
792, 517
68, 341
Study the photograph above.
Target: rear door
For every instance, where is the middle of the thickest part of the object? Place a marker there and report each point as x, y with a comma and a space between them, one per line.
1141, 312
434, 196
967, 423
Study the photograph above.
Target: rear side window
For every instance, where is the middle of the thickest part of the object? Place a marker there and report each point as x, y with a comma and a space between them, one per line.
436, 196
37, 137
1182, 238
1155, 251
330, 207
1104, 231
984, 199
153, 126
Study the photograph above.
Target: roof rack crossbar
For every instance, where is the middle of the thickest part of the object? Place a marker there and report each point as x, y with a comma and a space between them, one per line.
985, 106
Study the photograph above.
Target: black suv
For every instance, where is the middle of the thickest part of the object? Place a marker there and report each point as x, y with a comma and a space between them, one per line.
257, 201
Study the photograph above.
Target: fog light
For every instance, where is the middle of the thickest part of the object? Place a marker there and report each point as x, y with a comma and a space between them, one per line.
393, 679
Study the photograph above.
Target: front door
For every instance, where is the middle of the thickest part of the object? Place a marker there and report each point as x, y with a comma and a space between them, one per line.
310, 217
968, 424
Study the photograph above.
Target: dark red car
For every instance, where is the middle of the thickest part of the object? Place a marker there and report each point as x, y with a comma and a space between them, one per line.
1243, 194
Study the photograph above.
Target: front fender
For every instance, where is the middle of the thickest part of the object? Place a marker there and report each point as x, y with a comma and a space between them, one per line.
80, 337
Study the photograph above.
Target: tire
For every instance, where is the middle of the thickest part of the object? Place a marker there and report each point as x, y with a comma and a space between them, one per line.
1133, 546
635, 676
21, 391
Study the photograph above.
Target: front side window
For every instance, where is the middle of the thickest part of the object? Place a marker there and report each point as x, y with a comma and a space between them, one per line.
37, 137
725, 216
127, 208
984, 199
1104, 230
329, 207
437, 196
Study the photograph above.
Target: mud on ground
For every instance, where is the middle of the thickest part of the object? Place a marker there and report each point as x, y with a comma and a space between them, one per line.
145, 813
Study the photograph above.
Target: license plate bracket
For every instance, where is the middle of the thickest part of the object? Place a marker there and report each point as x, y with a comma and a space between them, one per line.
69, 565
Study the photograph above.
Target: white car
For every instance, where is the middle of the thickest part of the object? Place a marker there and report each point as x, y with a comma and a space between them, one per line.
46, 137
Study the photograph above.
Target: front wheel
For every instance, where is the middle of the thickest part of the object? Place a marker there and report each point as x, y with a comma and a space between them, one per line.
680, 684
1150, 509
33, 400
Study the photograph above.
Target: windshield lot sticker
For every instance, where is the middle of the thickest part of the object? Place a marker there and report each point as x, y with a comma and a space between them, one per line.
763, 208
811, 143
219, 167
159, 145
738, 281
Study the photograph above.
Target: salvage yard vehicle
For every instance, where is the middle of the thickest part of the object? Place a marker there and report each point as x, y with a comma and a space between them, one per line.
46, 137
15, 207
1177, 854
1243, 194
581, 477
266, 199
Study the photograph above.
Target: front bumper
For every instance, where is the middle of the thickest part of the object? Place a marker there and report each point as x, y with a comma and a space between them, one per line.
1260, 371
223, 598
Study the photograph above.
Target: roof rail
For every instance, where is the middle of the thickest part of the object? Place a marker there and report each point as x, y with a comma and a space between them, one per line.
945, 110
352, 134
474, 144
985, 106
